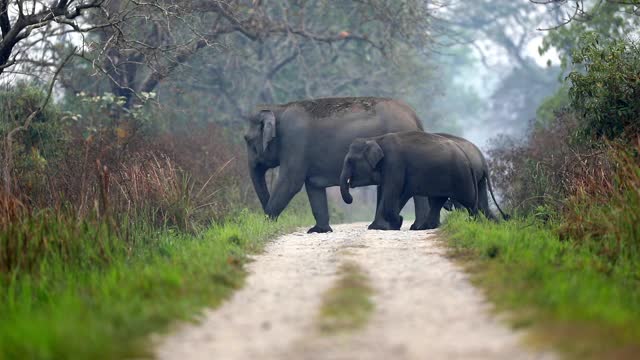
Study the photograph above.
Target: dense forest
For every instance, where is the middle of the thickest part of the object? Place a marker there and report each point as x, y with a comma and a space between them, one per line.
123, 171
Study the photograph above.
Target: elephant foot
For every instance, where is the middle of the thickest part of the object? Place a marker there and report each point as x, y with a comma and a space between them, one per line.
380, 226
489, 215
385, 225
320, 229
431, 225
396, 225
427, 225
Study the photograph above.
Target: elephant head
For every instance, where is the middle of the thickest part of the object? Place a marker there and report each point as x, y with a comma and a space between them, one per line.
260, 138
360, 167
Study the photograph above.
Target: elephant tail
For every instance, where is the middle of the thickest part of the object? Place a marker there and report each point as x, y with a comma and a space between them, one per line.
504, 216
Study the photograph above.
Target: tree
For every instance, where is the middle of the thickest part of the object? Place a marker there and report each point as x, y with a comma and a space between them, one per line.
496, 40
572, 11
24, 126
31, 23
136, 45
328, 49
612, 20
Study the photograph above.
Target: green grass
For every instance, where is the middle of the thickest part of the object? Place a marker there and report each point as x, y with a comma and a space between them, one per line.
347, 305
570, 293
93, 295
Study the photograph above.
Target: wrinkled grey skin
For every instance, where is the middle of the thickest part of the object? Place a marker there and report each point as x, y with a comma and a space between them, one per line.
410, 164
308, 141
481, 172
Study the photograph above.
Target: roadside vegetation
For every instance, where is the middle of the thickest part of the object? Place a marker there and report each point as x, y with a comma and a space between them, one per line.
110, 228
91, 294
568, 264
570, 293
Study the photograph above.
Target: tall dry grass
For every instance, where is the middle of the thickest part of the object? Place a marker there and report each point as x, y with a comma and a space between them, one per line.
95, 194
604, 206
539, 173
184, 179
11, 209
591, 190
152, 186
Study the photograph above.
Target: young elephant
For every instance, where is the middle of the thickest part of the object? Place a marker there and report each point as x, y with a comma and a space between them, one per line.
407, 164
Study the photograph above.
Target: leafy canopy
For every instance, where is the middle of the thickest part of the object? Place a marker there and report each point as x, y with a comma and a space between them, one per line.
606, 86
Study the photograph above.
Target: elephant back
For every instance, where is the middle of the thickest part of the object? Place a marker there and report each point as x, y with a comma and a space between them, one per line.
330, 107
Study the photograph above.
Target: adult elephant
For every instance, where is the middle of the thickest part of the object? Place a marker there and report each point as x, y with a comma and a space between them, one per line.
308, 140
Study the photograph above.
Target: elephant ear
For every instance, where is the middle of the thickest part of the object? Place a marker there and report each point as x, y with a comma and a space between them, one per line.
268, 127
373, 153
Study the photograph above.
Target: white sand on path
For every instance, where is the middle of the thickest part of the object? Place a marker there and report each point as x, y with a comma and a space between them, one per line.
425, 306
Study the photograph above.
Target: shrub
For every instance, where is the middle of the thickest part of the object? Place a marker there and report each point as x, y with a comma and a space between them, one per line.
605, 87
589, 189
27, 166
563, 153
106, 158
151, 186
603, 208
211, 159
538, 174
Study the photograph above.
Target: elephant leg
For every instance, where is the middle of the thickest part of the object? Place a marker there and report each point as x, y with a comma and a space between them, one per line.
319, 208
286, 187
483, 200
391, 208
433, 220
379, 222
422, 207
404, 199
378, 198
471, 206
382, 219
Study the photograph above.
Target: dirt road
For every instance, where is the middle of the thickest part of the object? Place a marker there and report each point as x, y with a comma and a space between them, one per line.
425, 307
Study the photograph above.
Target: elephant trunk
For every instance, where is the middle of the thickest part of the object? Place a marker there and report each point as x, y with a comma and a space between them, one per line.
258, 173
345, 178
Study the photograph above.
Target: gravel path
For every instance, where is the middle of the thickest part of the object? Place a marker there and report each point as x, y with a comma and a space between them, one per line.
425, 307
